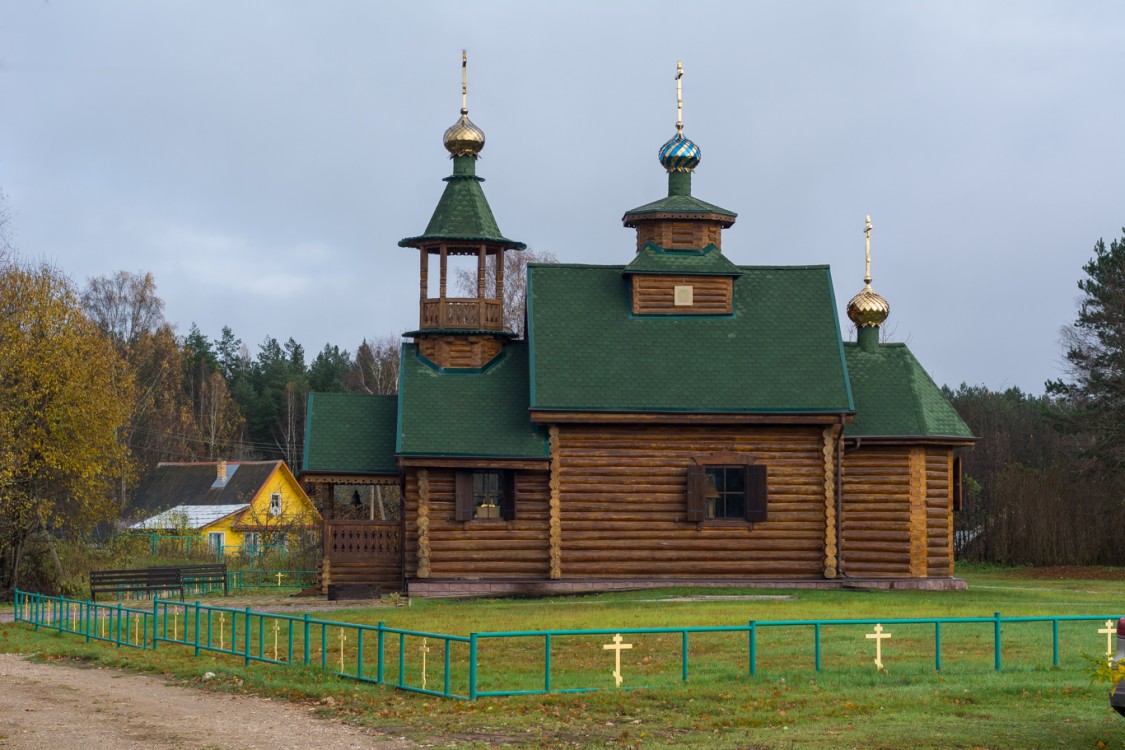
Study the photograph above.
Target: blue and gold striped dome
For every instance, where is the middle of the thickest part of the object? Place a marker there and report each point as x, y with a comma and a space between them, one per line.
680, 154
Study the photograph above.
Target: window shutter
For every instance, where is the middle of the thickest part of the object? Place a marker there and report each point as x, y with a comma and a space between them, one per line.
463, 495
508, 501
958, 498
696, 488
756, 492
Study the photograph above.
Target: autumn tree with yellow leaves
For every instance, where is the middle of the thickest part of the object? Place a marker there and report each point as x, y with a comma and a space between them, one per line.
65, 397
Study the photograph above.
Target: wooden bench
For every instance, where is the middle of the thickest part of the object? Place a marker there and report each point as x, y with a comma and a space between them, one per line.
209, 573
136, 581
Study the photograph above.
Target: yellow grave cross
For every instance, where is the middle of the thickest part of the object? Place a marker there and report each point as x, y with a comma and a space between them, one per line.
1109, 630
425, 650
279, 580
878, 635
342, 639
222, 623
617, 646
175, 626
275, 629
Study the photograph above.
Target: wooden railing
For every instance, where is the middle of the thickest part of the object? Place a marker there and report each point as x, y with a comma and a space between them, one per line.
462, 314
363, 540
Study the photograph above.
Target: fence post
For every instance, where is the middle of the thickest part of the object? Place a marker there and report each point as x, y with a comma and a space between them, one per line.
816, 645
937, 645
996, 638
359, 653
752, 647
246, 636
379, 666
1055, 641
196, 628
155, 611
546, 662
117, 637
305, 641
472, 666
684, 653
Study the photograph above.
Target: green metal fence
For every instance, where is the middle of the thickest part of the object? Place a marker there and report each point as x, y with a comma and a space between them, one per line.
459, 665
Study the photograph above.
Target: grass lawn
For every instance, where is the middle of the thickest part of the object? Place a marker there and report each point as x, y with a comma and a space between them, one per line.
787, 704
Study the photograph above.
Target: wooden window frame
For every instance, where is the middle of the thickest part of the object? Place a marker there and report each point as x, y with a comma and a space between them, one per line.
755, 499
464, 501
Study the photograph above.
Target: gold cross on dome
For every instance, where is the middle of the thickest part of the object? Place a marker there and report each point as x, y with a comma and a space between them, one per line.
679, 96
867, 249
878, 635
617, 646
1109, 630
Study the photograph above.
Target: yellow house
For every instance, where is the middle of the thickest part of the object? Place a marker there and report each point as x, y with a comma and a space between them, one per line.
238, 507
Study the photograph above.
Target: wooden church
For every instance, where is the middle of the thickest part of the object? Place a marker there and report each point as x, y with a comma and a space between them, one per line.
676, 419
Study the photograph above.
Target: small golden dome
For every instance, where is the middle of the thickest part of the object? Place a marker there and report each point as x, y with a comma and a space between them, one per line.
868, 308
464, 138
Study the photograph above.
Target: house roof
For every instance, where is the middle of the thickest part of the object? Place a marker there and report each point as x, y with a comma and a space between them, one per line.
680, 204
706, 262
481, 412
189, 516
350, 432
172, 484
895, 397
779, 352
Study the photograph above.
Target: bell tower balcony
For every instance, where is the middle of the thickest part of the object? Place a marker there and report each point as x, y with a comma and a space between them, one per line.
462, 314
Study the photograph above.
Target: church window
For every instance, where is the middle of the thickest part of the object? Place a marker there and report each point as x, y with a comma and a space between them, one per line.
726, 492
485, 495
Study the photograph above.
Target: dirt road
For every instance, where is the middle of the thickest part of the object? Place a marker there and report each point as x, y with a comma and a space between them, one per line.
64, 707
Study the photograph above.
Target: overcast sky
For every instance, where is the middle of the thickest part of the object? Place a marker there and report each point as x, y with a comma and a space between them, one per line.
262, 159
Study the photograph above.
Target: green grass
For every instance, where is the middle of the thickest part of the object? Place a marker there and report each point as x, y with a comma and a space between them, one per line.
786, 705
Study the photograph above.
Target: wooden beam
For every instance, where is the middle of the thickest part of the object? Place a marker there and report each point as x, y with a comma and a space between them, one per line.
918, 512
829, 453
423, 524
555, 523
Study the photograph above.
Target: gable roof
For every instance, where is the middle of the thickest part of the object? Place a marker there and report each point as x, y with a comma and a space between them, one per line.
706, 262
780, 352
350, 432
189, 517
478, 412
895, 397
172, 484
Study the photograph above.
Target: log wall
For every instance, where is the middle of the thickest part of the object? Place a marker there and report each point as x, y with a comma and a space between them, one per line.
490, 548
690, 234
623, 503
459, 351
897, 512
655, 295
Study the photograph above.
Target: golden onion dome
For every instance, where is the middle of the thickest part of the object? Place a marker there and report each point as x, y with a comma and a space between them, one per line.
463, 138
868, 308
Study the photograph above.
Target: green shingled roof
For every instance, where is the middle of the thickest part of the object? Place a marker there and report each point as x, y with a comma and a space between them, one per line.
467, 412
894, 396
350, 432
463, 212
680, 204
780, 351
706, 262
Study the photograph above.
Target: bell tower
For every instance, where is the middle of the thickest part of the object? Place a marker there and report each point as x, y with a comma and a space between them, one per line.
462, 332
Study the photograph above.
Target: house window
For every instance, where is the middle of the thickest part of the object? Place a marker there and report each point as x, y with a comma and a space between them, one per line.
215, 543
275, 504
485, 494
726, 492
250, 544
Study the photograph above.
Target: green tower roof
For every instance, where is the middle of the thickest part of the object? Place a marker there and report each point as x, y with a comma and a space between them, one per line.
463, 212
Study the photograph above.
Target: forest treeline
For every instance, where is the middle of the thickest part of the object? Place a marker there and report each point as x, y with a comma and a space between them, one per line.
1045, 484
